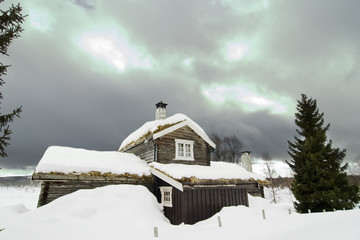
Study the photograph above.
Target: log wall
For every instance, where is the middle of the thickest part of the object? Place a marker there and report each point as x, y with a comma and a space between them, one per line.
145, 151
51, 190
199, 203
166, 147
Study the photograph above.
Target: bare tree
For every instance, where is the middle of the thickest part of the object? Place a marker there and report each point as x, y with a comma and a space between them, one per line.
270, 173
233, 148
228, 149
219, 153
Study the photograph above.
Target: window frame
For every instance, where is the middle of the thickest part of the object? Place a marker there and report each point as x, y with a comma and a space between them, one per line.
184, 143
166, 202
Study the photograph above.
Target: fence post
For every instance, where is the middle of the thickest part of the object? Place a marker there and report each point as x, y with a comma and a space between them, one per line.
263, 214
309, 210
324, 210
156, 232
219, 221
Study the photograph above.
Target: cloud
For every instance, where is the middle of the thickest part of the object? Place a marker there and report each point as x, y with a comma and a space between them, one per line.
88, 73
87, 4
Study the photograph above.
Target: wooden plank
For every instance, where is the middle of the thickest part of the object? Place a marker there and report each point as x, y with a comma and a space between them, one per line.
207, 204
219, 199
178, 205
245, 194
203, 203
167, 179
73, 178
198, 203
233, 192
166, 147
190, 206
196, 209
184, 206
212, 201
238, 196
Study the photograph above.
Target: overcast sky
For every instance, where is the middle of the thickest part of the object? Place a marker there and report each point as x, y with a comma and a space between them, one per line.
88, 73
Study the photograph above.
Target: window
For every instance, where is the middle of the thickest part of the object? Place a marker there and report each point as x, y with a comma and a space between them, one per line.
166, 196
184, 149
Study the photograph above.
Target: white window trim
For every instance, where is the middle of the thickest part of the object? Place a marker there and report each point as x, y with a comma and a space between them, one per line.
163, 190
189, 142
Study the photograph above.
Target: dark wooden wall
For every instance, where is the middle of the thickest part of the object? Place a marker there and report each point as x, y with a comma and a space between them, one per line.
144, 150
199, 203
166, 147
51, 190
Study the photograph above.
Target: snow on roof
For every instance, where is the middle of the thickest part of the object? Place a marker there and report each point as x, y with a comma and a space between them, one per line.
216, 171
75, 160
159, 126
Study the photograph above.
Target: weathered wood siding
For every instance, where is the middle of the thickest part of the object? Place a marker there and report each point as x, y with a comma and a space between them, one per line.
253, 188
51, 190
166, 147
145, 151
198, 203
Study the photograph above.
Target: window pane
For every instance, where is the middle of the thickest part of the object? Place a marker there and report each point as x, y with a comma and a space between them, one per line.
181, 149
187, 150
167, 197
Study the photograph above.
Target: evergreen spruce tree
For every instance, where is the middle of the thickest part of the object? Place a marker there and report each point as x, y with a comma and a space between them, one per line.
10, 28
320, 181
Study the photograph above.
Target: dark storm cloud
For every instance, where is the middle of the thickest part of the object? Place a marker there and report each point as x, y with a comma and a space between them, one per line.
87, 4
71, 98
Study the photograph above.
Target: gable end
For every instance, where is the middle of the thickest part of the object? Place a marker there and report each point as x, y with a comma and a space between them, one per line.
190, 125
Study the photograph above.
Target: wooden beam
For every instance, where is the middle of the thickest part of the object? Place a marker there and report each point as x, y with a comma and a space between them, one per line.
167, 179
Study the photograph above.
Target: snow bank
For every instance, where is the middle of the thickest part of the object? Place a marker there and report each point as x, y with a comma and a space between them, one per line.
23, 195
248, 223
216, 170
111, 212
8, 213
69, 160
152, 126
130, 212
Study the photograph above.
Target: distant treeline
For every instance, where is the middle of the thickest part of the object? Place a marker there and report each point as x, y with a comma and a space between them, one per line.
17, 181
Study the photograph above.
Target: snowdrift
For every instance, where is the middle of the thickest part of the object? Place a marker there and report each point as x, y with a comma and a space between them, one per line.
131, 212
111, 212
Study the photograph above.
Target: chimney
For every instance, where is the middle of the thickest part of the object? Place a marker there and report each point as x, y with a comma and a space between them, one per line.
246, 160
160, 110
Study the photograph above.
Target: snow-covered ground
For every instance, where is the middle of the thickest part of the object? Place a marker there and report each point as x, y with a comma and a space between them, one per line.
132, 212
20, 195
281, 168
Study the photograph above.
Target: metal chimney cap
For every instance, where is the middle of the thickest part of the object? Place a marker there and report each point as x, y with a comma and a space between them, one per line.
161, 105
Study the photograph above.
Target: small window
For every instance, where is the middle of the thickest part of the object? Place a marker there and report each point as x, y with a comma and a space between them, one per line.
184, 149
166, 196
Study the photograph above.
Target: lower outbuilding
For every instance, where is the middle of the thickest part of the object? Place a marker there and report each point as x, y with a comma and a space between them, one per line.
188, 193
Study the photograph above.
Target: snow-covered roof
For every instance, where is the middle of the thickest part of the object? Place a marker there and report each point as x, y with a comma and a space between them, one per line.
157, 128
216, 171
76, 161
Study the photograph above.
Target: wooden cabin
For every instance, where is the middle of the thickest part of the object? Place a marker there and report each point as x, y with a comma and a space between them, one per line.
170, 156
63, 170
178, 144
192, 193
176, 139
